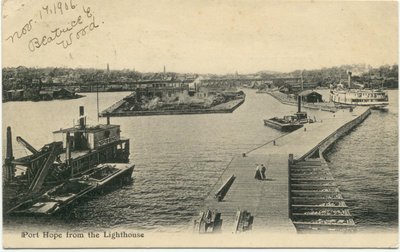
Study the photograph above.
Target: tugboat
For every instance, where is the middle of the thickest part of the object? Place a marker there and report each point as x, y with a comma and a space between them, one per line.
289, 123
60, 164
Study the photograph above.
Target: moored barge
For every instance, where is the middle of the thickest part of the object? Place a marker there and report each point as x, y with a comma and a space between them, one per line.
289, 123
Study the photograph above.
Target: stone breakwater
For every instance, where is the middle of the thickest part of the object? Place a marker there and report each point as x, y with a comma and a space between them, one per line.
269, 201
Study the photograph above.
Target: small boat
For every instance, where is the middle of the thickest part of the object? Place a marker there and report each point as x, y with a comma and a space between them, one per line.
103, 176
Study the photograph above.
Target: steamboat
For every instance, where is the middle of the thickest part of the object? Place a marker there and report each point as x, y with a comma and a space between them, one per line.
62, 171
375, 98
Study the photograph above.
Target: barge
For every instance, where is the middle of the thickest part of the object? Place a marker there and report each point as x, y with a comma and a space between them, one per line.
78, 150
289, 123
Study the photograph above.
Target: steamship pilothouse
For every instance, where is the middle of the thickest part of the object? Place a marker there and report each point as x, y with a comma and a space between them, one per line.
375, 98
80, 149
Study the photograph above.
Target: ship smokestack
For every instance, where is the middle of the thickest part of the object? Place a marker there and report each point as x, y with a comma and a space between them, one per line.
9, 155
349, 78
302, 81
81, 118
298, 103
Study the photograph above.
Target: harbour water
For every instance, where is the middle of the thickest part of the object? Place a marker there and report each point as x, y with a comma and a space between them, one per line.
178, 158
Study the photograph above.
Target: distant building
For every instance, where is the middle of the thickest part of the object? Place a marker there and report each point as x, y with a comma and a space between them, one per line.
310, 96
13, 95
46, 95
63, 93
160, 89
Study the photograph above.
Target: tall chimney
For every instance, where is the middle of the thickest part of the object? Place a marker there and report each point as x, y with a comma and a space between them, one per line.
349, 78
81, 118
298, 103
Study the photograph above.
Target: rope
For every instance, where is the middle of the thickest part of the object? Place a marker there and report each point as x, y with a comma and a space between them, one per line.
266, 143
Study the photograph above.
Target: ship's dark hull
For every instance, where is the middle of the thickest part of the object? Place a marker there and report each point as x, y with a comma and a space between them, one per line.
58, 204
286, 127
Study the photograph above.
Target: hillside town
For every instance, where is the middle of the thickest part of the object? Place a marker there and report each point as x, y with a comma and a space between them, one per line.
22, 83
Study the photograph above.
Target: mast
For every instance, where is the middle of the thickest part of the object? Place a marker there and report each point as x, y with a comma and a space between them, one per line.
97, 99
302, 81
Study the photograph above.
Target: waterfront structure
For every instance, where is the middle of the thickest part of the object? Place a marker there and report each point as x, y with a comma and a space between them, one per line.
278, 203
36, 94
310, 96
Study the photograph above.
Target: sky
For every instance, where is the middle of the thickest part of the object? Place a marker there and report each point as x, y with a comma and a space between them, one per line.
205, 36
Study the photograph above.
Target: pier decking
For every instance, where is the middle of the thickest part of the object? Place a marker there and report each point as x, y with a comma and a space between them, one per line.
268, 200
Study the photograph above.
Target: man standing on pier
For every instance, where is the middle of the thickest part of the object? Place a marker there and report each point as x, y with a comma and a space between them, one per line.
263, 170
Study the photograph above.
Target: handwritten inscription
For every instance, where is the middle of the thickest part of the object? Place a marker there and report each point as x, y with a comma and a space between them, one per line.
57, 8
63, 36
18, 34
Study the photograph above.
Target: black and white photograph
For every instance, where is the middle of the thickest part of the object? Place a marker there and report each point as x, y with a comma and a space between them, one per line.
200, 124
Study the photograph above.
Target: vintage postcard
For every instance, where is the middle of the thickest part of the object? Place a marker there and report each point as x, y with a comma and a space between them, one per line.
199, 124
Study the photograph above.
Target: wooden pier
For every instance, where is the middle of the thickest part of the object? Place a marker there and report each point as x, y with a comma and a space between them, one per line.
268, 200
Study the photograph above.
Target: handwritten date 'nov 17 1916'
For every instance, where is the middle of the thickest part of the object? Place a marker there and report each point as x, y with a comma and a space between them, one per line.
76, 29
